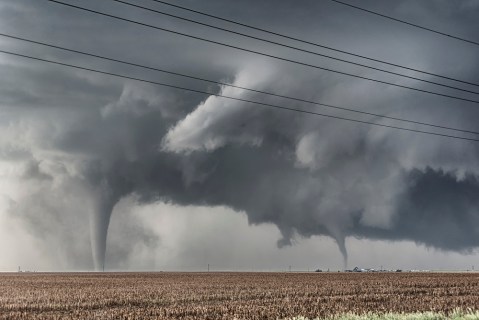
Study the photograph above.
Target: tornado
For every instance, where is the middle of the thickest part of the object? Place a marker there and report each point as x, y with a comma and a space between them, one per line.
342, 248
336, 232
103, 203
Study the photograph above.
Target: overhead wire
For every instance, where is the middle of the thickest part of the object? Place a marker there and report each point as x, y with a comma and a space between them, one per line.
292, 47
264, 54
231, 85
310, 42
406, 22
237, 99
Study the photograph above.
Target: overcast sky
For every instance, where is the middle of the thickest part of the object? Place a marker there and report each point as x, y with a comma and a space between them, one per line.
98, 170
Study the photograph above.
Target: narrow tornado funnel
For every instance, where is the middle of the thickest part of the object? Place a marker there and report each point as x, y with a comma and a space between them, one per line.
338, 236
103, 203
341, 241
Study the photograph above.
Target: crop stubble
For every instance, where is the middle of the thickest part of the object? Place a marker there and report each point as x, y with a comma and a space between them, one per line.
230, 295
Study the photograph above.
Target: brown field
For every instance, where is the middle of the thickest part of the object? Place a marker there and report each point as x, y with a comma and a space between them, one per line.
230, 295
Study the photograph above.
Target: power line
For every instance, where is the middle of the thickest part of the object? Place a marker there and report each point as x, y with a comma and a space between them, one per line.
238, 99
311, 43
293, 47
406, 22
234, 86
263, 54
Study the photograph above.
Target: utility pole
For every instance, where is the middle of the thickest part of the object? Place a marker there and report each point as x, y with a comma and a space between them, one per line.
208, 267
289, 268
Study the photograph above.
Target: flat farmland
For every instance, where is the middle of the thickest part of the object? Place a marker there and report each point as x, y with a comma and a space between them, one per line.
230, 295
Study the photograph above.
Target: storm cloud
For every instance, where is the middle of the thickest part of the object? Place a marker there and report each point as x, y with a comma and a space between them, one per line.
74, 144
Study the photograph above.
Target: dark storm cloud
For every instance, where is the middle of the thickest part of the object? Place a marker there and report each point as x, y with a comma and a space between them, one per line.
437, 209
107, 138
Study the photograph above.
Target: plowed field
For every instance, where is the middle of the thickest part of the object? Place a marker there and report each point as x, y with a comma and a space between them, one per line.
230, 295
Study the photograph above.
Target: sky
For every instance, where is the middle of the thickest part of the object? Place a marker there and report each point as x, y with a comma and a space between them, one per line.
98, 171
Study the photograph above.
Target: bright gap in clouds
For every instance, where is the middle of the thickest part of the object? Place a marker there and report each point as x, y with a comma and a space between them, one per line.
165, 237
190, 238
